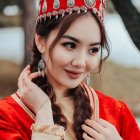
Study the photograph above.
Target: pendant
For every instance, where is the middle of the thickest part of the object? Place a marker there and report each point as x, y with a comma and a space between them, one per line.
70, 3
56, 4
44, 7
89, 3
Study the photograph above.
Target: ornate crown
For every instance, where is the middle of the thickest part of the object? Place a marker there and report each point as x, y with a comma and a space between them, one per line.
49, 8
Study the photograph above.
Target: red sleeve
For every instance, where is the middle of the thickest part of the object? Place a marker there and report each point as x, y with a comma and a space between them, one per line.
129, 127
14, 121
7, 130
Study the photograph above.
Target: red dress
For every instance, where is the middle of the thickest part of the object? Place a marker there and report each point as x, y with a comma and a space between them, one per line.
16, 118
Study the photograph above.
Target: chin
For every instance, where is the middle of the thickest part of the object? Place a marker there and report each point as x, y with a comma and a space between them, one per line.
72, 85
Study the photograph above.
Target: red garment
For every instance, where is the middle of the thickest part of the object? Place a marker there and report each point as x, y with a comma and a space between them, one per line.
15, 123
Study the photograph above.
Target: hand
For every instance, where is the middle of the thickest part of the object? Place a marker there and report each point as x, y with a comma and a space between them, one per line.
33, 96
99, 130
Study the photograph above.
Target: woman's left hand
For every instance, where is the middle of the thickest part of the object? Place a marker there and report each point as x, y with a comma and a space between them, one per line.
99, 130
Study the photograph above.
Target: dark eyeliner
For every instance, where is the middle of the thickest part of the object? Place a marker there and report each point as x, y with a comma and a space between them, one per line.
69, 44
94, 50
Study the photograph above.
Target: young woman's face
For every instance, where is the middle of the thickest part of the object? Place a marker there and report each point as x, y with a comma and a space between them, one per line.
75, 55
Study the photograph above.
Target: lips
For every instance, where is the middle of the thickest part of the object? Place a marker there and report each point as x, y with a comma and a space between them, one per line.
73, 74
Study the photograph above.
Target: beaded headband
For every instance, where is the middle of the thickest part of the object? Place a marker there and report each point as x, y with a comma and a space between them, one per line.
49, 8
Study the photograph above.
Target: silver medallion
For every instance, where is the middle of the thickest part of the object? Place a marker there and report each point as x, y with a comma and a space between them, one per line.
44, 7
89, 3
70, 3
56, 4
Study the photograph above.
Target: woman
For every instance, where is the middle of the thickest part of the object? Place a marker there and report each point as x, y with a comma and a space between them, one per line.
52, 102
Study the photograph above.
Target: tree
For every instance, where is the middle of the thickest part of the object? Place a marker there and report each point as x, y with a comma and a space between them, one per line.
29, 19
131, 19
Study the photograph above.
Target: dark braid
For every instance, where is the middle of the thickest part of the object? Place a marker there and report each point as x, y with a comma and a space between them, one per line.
82, 112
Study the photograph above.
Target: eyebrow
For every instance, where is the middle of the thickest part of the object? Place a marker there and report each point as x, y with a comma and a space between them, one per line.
78, 41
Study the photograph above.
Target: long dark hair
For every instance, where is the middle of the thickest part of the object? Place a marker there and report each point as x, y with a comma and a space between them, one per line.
82, 109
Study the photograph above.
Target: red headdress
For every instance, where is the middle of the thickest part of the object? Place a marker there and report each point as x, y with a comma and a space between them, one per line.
49, 8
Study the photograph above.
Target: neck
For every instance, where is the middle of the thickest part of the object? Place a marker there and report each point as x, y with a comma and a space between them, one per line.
60, 92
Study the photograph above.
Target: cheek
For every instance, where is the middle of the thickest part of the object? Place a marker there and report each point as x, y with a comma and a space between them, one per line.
93, 63
60, 57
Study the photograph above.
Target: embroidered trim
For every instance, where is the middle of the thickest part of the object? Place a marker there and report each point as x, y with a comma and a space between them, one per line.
94, 101
69, 11
96, 104
55, 130
45, 10
24, 107
86, 92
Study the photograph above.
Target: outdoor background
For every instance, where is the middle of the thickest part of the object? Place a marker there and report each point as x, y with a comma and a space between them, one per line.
120, 76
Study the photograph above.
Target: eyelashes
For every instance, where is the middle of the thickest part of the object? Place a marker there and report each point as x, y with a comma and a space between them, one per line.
69, 45
94, 50
72, 46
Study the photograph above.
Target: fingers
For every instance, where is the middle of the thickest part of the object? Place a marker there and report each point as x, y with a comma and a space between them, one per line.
21, 79
25, 78
26, 68
95, 125
90, 131
34, 75
26, 73
86, 137
23, 72
98, 129
104, 123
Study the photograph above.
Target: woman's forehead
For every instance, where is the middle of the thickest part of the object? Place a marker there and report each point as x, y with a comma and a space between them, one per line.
84, 27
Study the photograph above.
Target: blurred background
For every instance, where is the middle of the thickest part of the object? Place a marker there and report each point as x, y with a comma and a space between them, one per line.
120, 76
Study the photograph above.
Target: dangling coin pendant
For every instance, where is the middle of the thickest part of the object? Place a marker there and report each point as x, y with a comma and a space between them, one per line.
44, 7
56, 4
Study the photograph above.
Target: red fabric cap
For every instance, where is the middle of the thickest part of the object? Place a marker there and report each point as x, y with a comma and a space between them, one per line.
46, 7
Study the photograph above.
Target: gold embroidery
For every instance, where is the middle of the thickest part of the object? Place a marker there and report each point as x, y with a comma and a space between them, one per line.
55, 130
24, 107
94, 101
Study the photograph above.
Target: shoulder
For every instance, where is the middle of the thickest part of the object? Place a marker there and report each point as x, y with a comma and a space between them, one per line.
6, 103
110, 104
103, 98
107, 104
112, 109
6, 109
14, 120
8, 106
11, 109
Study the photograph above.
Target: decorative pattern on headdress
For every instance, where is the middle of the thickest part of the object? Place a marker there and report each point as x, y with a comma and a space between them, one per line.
49, 8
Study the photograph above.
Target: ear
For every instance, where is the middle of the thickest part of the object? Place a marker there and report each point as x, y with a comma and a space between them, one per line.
40, 43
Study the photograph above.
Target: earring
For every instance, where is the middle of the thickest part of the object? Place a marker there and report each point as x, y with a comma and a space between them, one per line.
88, 79
42, 67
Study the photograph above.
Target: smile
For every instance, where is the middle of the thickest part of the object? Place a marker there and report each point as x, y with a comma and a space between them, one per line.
73, 74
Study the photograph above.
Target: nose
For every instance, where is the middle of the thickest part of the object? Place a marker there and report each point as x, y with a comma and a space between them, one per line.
79, 60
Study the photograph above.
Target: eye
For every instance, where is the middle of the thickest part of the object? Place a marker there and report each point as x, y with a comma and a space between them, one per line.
94, 50
69, 45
